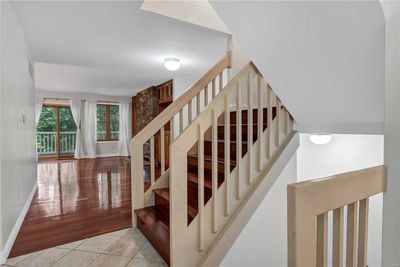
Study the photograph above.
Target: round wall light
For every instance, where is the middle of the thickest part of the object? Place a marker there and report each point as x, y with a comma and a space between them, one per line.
172, 64
320, 139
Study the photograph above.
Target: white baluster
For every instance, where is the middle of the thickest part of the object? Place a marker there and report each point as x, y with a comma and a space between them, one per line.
152, 166
269, 121
227, 157
190, 118
278, 122
162, 150
215, 169
213, 88
201, 186
260, 122
249, 127
205, 96
238, 137
197, 104
180, 121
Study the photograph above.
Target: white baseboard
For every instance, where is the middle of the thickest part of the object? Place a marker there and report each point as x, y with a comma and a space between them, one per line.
14, 232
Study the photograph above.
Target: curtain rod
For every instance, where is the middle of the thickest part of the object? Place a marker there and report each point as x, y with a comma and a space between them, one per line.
57, 98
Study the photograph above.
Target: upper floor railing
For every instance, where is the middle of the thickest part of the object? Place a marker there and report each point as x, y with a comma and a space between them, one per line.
308, 206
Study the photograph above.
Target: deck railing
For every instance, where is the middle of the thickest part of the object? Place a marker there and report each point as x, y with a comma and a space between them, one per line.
308, 206
103, 135
47, 142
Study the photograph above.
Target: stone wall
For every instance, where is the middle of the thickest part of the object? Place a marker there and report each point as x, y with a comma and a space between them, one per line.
146, 106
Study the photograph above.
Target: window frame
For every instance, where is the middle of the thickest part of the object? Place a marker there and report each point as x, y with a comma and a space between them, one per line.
107, 122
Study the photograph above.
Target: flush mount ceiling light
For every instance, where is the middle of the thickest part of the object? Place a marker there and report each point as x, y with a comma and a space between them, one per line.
172, 64
320, 139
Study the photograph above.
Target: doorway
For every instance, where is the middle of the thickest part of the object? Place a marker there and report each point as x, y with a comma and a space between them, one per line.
56, 133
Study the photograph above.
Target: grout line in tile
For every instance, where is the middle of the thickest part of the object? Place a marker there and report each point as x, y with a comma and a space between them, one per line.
61, 258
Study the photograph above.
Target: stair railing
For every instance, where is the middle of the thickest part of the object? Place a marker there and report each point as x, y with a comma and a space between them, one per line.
192, 245
186, 108
308, 206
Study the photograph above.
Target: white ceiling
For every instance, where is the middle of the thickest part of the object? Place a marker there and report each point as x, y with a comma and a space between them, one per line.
111, 47
198, 12
325, 59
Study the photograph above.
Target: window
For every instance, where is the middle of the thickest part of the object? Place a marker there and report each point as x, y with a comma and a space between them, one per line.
107, 122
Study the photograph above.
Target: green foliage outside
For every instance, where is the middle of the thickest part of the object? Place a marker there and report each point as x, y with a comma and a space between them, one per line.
102, 122
48, 123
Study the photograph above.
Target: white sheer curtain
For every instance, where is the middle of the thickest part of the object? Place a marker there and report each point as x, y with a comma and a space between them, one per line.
124, 130
89, 129
38, 108
76, 110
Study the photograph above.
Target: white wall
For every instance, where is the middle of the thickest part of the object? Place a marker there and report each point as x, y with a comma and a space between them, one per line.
18, 164
104, 149
317, 53
391, 212
263, 241
239, 56
346, 153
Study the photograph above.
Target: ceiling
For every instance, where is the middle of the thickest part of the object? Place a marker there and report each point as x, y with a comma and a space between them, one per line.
111, 47
198, 12
325, 59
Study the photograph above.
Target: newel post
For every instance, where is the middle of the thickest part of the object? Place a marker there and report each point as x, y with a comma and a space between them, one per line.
137, 179
178, 205
302, 229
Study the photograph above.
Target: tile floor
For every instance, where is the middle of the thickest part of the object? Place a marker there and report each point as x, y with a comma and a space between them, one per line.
125, 248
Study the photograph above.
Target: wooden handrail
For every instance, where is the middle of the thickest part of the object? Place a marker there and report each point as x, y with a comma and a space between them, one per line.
159, 125
165, 116
193, 243
308, 205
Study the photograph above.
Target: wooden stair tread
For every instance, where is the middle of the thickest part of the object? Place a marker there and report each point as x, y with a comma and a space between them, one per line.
150, 216
192, 177
209, 158
164, 193
223, 141
156, 229
243, 124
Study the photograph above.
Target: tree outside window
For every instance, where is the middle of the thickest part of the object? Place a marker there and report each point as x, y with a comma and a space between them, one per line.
107, 122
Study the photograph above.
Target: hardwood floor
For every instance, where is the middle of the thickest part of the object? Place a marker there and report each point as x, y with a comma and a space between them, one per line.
76, 199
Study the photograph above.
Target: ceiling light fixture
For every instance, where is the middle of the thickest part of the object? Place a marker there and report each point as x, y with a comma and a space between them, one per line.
172, 64
320, 139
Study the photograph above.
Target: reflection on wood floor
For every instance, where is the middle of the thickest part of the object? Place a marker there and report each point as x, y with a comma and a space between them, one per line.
76, 199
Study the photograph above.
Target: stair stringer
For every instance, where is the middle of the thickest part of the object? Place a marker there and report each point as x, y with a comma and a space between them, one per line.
222, 243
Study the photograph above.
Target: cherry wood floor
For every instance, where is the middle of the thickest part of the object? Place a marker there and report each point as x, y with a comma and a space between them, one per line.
76, 199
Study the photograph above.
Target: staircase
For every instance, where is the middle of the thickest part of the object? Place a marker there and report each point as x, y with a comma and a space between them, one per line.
223, 159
